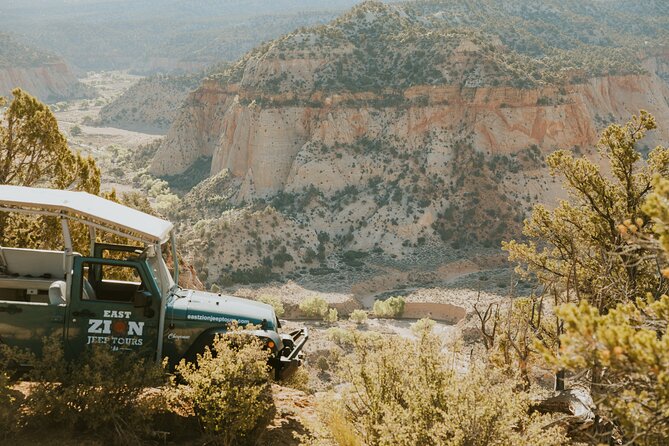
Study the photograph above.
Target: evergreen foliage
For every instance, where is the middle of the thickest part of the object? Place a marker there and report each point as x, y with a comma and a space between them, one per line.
578, 249
603, 256
33, 152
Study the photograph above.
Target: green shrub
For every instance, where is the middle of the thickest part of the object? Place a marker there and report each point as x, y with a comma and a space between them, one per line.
260, 274
340, 336
331, 316
389, 308
229, 389
422, 326
406, 393
275, 302
314, 306
102, 392
358, 316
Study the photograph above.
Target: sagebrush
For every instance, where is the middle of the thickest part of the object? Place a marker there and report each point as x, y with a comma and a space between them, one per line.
228, 390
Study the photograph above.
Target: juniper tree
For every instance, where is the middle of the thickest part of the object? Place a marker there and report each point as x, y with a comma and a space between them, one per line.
629, 345
597, 252
33, 152
577, 249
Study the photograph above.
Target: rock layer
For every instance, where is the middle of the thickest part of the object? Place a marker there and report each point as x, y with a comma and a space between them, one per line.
50, 82
261, 144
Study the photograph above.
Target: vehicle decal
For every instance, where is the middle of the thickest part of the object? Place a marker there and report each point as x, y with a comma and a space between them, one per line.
117, 331
209, 318
177, 337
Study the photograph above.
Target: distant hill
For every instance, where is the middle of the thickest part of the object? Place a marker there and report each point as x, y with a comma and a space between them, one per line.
507, 43
150, 105
39, 72
403, 135
159, 35
15, 54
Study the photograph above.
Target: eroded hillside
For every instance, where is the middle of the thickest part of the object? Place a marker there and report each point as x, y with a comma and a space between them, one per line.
41, 73
399, 133
150, 105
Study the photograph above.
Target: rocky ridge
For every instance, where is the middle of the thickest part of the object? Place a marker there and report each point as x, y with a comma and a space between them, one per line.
41, 74
388, 132
150, 105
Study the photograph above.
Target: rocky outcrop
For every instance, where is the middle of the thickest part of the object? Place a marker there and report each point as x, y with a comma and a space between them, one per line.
50, 82
263, 145
196, 130
387, 132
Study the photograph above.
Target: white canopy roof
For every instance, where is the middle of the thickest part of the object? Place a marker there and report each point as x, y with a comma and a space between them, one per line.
89, 209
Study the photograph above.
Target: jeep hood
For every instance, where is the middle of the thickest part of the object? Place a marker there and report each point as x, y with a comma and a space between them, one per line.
217, 309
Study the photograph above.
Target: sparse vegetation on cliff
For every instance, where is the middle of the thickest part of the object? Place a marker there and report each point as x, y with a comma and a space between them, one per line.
384, 48
14, 54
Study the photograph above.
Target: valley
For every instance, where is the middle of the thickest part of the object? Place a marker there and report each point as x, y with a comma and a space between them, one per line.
475, 185
286, 180
434, 275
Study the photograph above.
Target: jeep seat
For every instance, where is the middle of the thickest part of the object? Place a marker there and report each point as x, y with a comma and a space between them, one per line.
57, 292
87, 291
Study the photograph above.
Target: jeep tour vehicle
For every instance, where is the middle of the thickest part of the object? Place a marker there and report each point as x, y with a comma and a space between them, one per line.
120, 295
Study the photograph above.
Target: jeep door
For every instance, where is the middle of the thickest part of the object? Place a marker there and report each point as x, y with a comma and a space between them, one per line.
26, 316
114, 303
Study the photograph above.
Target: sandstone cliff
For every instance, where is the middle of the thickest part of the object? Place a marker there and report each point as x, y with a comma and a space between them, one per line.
50, 82
386, 132
261, 144
40, 73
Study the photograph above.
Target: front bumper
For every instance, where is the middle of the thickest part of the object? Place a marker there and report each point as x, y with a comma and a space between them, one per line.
291, 357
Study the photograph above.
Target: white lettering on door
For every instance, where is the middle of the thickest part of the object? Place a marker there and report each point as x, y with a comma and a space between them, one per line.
135, 328
95, 326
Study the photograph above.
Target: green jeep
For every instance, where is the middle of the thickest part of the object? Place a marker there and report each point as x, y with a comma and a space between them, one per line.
122, 296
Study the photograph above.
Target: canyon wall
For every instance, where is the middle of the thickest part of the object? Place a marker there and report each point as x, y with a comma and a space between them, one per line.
261, 144
49, 82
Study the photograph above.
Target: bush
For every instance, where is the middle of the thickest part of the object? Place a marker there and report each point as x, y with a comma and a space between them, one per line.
275, 302
299, 380
331, 316
625, 343
229, 389
340, 336
389, 308
334, 415
405, 393
314, 307
423, 326
358, 316
101, 393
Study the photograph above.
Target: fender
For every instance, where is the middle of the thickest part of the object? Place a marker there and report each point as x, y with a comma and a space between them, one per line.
207, 338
